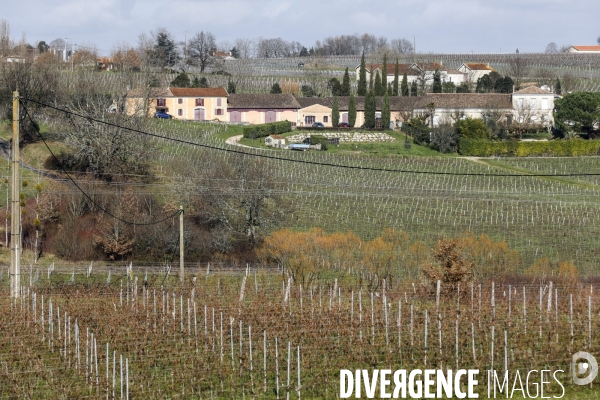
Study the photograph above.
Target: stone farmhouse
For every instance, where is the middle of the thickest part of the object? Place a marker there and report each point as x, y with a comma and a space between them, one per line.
530, 105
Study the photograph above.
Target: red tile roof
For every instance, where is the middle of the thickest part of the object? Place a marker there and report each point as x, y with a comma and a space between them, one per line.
479, 66
199, 92
586, 48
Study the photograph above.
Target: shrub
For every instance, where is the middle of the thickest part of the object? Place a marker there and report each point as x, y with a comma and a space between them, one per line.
555, 148
472, 128
318, 139
264, 130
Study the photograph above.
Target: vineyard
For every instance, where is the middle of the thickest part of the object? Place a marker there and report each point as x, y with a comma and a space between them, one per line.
257, 335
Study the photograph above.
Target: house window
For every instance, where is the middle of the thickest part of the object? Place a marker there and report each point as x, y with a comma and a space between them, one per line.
325, 119
219, 102
161, 102
199, 102
521, 103
180, 112
532, 103
544, 104
219, 111
179, 101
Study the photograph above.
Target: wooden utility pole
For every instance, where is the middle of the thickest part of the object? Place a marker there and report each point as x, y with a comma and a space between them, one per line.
15, 228
181, 273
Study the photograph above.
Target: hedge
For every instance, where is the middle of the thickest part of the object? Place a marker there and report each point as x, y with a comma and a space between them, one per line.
513, 148
263, 130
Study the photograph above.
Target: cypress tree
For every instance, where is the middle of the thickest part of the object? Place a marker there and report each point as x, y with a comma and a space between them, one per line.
378, 88
370, 108
385, 112
335, 113
346, 84
383, 75
352, 111
395, 87
437, 82
404, 86
362, 77
371, 77
413, 88
557, 87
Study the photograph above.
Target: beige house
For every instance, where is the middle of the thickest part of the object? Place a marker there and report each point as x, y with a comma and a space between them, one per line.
198, 104
315, 109
262, 108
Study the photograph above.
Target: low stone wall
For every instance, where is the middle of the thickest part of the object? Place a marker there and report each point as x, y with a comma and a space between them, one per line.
344, 136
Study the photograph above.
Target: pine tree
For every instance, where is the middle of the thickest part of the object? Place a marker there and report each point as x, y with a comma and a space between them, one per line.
413, 88
385, 112
437, 82
404, 86
346, 84
362, 77
370, 108
378, 87
230, 87
352, 111
275, 88
557, 87
396, 77
335, 113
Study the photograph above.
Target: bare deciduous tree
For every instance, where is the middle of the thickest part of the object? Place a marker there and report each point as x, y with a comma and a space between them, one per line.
200, 49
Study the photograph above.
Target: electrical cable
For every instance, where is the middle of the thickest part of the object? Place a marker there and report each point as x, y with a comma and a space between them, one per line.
266, 156
37, 129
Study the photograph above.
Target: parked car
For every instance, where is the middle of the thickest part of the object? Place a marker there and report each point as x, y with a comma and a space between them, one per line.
162, 114
343, 125
318, 125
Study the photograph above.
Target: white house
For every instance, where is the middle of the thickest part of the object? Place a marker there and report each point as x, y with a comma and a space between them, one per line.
585, 49
475, 71
534, 106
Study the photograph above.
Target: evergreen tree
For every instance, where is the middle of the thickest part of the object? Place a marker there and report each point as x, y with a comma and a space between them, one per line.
378, 88
335, 86
437, 82
195, 82
413, 88
203, 82
463, 88
371, 77
557, 88
346, 84
404, 86
230, 86
390, 89
383, 76
370, 108
335, 113
396, 77
362, 77
385, 112
182, 81
275, 88
352, 111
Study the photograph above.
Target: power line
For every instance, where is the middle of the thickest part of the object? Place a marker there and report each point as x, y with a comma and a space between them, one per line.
324, 164
37, 129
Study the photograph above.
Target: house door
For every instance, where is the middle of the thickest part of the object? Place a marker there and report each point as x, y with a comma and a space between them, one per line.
270, 116
235, 116
199, 114
309, 120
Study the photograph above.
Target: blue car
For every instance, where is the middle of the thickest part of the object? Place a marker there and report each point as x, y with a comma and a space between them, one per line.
318, 125
162, 114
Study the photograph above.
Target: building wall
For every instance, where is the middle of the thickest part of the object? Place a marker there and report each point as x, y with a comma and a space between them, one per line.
259, 116
319, 112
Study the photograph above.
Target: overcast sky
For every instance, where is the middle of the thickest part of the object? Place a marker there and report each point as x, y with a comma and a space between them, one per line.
442, 26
